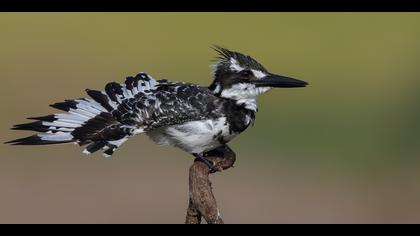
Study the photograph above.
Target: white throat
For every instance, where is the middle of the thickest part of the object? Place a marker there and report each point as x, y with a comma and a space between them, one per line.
244, 94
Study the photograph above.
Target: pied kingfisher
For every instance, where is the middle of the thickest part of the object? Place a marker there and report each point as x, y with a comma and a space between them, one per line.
194, 118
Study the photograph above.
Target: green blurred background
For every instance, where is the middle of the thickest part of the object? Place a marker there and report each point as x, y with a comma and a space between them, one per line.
343, 150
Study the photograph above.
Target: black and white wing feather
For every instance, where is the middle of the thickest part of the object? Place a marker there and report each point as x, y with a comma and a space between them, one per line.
109, 117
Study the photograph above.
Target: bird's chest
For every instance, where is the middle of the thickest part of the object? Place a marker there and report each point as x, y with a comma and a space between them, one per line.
198, 136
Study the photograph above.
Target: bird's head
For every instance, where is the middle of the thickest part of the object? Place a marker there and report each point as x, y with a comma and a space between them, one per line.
241, 78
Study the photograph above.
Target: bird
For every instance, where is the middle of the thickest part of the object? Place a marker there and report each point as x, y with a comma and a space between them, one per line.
191, 117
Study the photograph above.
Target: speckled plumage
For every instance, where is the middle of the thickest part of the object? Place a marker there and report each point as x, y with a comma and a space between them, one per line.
141, 104
194, 118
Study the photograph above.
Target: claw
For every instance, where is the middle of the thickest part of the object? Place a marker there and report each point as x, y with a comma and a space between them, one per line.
210, 164
216, 168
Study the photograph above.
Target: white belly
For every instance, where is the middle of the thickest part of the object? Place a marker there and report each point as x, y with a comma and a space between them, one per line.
194, 136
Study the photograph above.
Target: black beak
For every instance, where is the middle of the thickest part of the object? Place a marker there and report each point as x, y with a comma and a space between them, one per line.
278, 81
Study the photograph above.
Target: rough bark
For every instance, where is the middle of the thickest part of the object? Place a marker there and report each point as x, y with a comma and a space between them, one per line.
202, 203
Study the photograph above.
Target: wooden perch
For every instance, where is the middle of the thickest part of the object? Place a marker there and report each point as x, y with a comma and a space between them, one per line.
202, 202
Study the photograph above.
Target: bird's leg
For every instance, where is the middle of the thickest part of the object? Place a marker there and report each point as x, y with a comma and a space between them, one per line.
224, 152
202, 158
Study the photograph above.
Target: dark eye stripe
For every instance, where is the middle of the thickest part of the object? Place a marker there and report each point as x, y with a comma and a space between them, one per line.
246, 73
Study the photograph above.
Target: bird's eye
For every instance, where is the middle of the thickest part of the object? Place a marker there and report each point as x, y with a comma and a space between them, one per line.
246, 73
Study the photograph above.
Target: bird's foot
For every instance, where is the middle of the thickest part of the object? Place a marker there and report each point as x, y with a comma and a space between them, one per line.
210, 164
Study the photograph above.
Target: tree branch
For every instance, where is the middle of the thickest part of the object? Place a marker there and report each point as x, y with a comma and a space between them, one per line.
202, 202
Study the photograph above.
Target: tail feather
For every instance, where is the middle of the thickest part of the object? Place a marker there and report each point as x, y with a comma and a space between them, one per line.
85, 124
94, 121
40, 139
34, 126
93, 147
101, 98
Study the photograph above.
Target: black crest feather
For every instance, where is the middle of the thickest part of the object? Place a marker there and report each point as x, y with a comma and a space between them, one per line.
244, 60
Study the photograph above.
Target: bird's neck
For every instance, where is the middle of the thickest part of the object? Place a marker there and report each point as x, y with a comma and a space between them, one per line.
248, 103
238, 97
